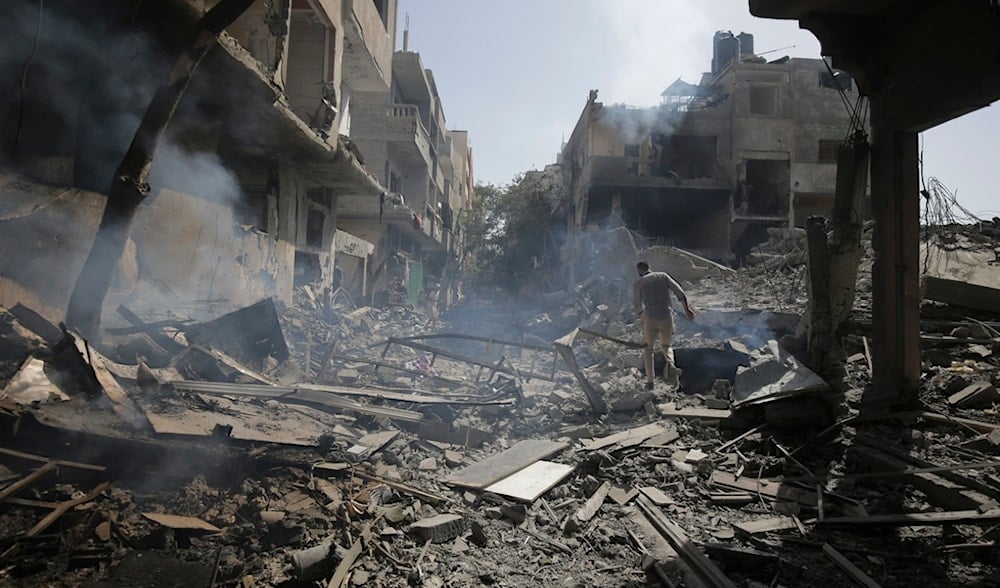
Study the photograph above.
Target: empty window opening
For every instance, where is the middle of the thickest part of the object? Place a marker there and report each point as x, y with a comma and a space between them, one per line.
314, 228
764, 191
383, 11
251, 208
763, 100
308, 269
311, 64
687, 156
632, 150
685, 217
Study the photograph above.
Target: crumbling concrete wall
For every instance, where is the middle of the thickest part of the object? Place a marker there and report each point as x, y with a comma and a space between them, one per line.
379, 36
682, 265
263, 30
190, 249
45, 234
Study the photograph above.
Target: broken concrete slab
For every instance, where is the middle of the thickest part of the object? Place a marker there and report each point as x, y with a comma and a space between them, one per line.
245, 421
32, 385
440, 528
682, 265
773, 374
962, 294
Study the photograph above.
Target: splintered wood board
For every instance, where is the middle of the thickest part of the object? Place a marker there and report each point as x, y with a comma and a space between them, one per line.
505, 463
531, 482
181, 522
626, 438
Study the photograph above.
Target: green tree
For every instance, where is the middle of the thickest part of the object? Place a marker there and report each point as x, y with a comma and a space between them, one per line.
509, 232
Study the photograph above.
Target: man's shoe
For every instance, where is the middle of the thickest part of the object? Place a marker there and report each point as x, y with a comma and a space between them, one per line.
649, 385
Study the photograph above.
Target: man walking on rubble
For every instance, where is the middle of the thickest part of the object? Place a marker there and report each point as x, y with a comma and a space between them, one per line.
651, 298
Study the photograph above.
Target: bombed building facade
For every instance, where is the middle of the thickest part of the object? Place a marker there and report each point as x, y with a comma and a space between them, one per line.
752, 146
255, 171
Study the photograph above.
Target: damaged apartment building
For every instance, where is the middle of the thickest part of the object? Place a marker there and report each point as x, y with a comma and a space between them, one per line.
427, 170
752, 146
254, 173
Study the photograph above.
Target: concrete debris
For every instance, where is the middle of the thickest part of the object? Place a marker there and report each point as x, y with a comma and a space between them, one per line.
773, 374
376, 450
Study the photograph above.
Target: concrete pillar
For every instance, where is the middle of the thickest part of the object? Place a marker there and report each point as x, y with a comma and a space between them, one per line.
896, 240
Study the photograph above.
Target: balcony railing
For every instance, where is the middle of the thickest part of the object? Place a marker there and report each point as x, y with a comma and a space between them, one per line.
404, 124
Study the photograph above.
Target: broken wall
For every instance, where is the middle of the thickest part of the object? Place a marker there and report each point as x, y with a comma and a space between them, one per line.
190, 249
45, 235
263, 30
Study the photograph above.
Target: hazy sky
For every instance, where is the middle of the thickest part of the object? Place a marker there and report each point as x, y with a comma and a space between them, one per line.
516, 74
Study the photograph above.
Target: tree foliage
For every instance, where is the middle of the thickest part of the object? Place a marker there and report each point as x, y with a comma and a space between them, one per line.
509, 231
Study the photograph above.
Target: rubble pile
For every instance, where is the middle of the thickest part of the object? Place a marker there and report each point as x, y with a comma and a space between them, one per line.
343, 444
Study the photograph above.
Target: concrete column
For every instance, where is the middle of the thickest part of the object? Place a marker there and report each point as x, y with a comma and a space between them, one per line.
896, 240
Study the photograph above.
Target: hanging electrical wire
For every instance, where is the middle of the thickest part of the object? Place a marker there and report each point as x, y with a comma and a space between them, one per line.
858, 112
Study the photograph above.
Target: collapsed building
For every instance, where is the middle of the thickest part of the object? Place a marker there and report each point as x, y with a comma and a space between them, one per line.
752, 146
258, 186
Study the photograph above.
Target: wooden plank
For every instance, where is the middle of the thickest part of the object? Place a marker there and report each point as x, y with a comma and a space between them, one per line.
850, 569
980, 426
669, 410
917, 519
505, 463
59, 462
531, 482
167, 345
656, 496
652, 542
626, 438
977, 393
340, 575
594, 503
594, 394
64, 507
765, 488
766, 525
679, 540
181, 522
415, 397
740, 438
26, 481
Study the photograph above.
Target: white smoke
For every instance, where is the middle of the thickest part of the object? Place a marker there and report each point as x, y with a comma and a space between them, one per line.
201, 173
653, 42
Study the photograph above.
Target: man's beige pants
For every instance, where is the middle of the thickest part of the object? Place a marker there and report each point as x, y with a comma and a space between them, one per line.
664, 329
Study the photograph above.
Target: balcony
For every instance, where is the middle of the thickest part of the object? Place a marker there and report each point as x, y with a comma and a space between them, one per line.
367, 47
407, 138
